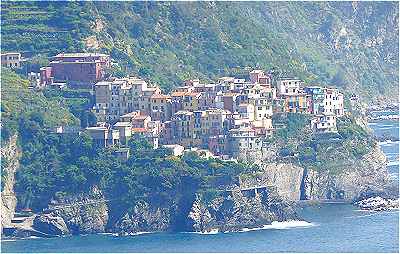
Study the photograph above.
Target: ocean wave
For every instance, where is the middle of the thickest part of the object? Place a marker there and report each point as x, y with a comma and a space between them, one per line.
282, 225
211, 232
140, 233
8, 240
388, 143
393, 163
129, 234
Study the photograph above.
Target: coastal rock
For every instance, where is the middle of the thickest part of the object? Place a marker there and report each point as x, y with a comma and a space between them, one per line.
84, 213
378, 204
143, 218
240, 209
366, 176
49, 224
10, 155
286, 177
199, 215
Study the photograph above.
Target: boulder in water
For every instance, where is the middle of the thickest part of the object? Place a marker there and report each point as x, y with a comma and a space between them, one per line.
378, 204
50, 224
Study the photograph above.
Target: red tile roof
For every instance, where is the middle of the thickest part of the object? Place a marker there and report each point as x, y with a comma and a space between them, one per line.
139, 130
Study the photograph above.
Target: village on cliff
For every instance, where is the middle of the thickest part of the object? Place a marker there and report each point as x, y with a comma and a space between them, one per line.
222, 119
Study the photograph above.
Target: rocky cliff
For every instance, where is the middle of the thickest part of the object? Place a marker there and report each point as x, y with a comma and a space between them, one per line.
144, 218
349, 180
286, 177
10, 155
239, 209
83, 213
356, 179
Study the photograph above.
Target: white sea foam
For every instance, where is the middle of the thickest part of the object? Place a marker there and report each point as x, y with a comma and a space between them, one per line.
387, 126
213, 231
8, 240
282, 225
140, 233
388, 143
393, 163
128, 234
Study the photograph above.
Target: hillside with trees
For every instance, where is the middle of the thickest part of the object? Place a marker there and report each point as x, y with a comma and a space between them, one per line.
353, 46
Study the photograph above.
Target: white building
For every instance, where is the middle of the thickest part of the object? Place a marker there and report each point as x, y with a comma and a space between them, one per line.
177, 150
324, 123
288, 86
333, 102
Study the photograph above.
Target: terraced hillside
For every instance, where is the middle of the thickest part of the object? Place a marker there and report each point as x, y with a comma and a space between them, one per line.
353, 46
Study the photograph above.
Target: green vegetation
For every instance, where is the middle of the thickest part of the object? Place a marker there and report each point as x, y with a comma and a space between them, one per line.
19, 102
54, 165
324, 152
349, 45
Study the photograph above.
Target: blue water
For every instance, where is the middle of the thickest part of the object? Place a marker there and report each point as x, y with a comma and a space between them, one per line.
391, 149
331, 228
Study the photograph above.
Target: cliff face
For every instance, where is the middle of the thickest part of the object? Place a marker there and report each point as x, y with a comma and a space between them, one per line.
143, 218
238, 210
359, 178
285, 177
83, 213
10, 163
352, 180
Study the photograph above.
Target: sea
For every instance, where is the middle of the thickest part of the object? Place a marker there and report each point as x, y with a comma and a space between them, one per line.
330, 227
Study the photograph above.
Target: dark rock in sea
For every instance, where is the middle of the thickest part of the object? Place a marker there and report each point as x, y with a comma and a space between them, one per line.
49, 224
238, 210
378, 204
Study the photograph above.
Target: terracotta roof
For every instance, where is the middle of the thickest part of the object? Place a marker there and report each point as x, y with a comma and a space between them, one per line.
178, 94
193, 94
139, 130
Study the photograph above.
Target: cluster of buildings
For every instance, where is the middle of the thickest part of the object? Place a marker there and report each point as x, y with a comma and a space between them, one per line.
225, 118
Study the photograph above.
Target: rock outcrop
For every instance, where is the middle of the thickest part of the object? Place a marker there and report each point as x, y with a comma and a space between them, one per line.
84, 213
10, 155
378, 204
285, 177
358, 178
238, 210
143, 218
49, 224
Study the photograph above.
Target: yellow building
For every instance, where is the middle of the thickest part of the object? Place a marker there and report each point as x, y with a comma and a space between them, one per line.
296, 103
191, 101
